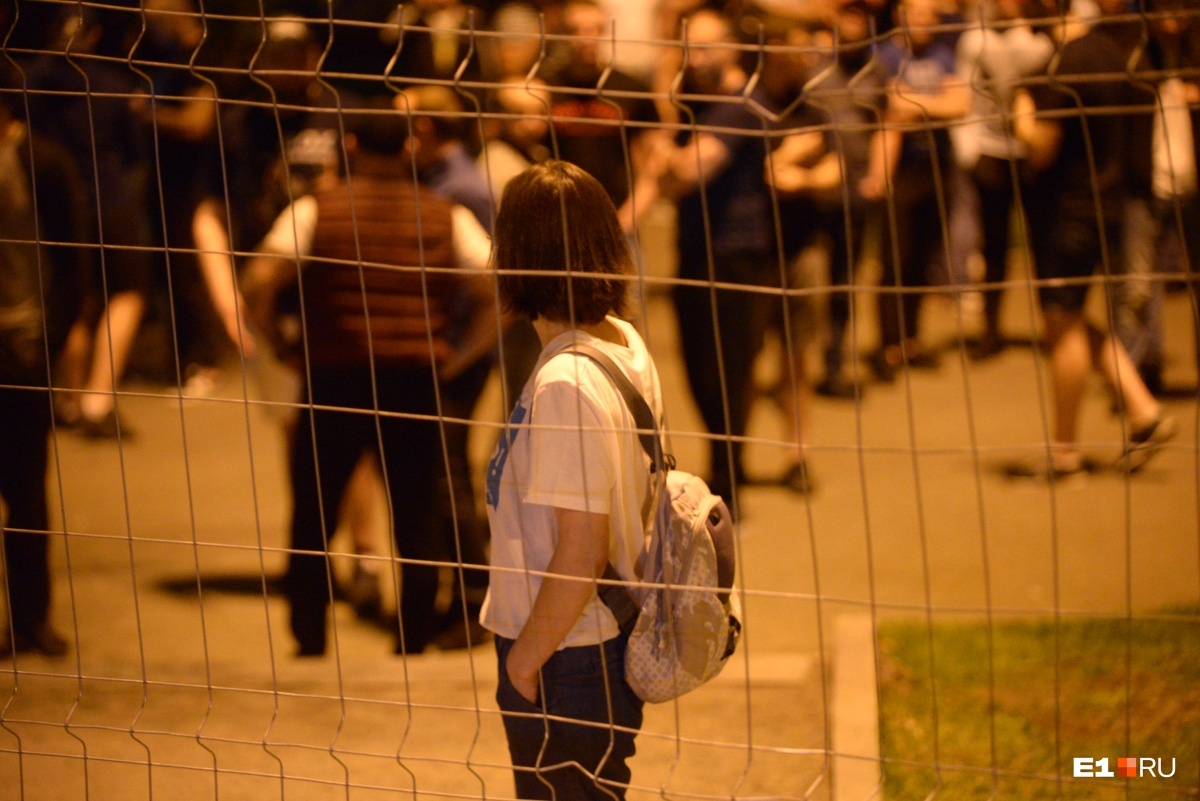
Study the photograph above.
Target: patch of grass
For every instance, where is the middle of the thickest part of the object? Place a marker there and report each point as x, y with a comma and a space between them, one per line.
1124, 689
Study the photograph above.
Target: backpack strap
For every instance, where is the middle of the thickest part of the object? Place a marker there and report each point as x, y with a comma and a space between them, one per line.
615, 596
643, 417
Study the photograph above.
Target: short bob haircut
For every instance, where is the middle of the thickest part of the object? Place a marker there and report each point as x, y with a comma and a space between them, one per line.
577, 284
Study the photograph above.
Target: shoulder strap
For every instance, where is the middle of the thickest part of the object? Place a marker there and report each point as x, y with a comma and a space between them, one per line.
643, 417
616, 596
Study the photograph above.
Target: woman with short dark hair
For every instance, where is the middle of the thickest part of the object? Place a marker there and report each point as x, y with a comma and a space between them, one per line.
565, 490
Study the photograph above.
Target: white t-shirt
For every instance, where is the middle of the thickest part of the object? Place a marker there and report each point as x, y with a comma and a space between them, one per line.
994, 62
571, 443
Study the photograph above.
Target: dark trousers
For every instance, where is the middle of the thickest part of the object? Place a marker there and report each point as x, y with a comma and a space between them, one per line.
736, 337
998, 191
1182, 246
24, 425
581, 684
465, 536
846, 233
908, 246
328, 444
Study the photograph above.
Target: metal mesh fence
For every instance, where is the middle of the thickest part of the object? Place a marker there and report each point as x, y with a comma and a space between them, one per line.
918, 284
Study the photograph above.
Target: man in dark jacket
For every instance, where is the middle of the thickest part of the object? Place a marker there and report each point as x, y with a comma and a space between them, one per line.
41, 288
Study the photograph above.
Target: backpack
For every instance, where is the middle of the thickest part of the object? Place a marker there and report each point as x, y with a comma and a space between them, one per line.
682, 621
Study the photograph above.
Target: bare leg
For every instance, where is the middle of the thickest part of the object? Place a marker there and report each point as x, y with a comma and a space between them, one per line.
1076, 348
72, 372
1070, 364
1113, 362
114, 338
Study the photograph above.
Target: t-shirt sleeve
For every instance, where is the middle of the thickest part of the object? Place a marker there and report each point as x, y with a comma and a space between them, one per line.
570, 464
292, 233
472, 247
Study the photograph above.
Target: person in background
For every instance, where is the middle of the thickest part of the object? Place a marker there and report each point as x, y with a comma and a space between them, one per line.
180, 111
603, 120
1175, 47
804, 166
436, 147
410, 277
911, 161
994, 60
1081, 183
437, 47
91, 116
853, 92
1138, 295
516, 42
566, 488
41, 294
521, 139
725, 234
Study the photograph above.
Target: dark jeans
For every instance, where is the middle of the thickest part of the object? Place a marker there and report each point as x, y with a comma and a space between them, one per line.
328, 444
581, 684
24, 425
908, 247
465, 534
742, 319
997, 194
846, 234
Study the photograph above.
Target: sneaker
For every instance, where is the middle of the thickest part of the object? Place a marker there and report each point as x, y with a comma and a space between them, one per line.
1146, 441
308, 627
201, 382
798, 479
882, 367
364, 593
1050, 470
837, 386
66, 410
921, 358
105, 428
989, 346
42, 639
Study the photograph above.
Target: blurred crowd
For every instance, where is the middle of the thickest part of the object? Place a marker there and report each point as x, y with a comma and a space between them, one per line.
186, 165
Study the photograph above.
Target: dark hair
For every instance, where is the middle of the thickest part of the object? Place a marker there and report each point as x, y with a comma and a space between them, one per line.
579, 282
378, 127
1042, 13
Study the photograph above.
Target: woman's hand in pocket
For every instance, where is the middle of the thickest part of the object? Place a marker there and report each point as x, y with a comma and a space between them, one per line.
524, 682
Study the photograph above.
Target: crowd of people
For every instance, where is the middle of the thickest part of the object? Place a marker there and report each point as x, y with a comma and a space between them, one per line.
194, 164
323, 181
